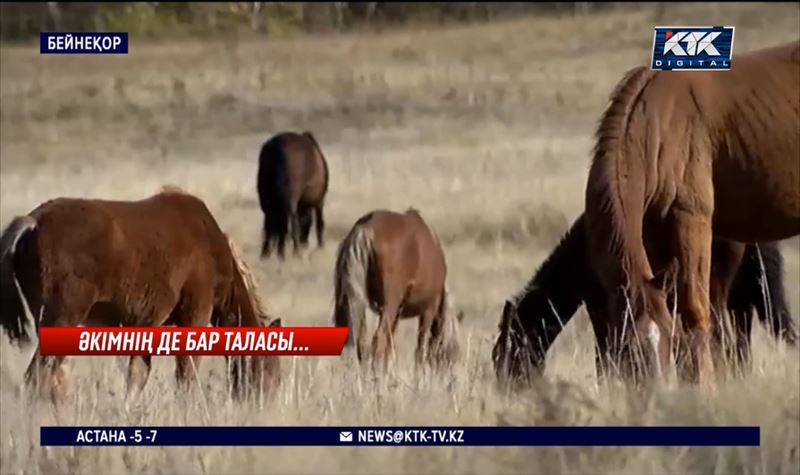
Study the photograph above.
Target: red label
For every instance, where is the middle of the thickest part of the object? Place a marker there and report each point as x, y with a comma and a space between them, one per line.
200, 341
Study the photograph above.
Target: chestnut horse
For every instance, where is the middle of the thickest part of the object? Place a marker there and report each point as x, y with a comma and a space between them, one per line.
682, 158
292, 184
533, 319
393, 263
159, 261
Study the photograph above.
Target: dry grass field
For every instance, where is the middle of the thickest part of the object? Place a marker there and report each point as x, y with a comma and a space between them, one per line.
485, 129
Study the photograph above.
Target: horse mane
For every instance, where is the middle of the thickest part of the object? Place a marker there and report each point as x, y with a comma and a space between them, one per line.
310, 136
609, 142
551, 270
414, 212
173, 189
258, 305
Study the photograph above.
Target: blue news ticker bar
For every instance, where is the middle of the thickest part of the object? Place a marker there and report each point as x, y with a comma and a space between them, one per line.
416, 436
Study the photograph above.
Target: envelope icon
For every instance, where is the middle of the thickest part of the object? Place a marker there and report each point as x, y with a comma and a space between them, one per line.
345, 436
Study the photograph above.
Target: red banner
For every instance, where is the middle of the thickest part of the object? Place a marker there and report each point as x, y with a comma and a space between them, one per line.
200, 341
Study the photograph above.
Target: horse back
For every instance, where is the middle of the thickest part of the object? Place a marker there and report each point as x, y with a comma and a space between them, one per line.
293, 165
408, 256
758, 146
117, 246
321, 174
742, 125
754, 103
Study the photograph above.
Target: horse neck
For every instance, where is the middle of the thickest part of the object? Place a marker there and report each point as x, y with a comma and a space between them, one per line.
560, 284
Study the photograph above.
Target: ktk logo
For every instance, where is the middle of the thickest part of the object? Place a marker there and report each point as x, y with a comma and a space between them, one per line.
692, 48
696, 42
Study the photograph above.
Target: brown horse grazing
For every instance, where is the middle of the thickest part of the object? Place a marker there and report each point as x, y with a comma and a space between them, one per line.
681, 157
535, 317
159, 261
393, 262
292, 184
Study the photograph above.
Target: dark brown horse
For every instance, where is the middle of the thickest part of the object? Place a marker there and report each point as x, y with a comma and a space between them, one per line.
393, 263
292, 184
534, 318
159, 261
682, 158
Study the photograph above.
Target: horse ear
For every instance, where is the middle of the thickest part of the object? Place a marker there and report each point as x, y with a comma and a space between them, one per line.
307, 134
275, 323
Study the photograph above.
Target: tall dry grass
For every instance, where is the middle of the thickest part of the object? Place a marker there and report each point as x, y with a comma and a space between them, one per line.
486, 130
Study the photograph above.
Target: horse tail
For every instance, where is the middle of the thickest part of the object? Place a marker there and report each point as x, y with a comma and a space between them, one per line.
617, 186
446, 347
446, 304
353, 258
447, 309
14, 308
769, 297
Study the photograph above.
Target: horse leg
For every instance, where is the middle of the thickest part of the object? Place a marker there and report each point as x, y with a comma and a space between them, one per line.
726, 258
320, 221
306, 219
693, 250
49, 375
382, 342
69, 307
362, 336
186, 368
394, 327
193, 310
294, 226
644, 346
426, 319
282, 231
266, 243
139, 368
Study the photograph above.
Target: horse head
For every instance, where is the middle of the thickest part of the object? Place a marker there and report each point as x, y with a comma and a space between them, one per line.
511, 353
255, 375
